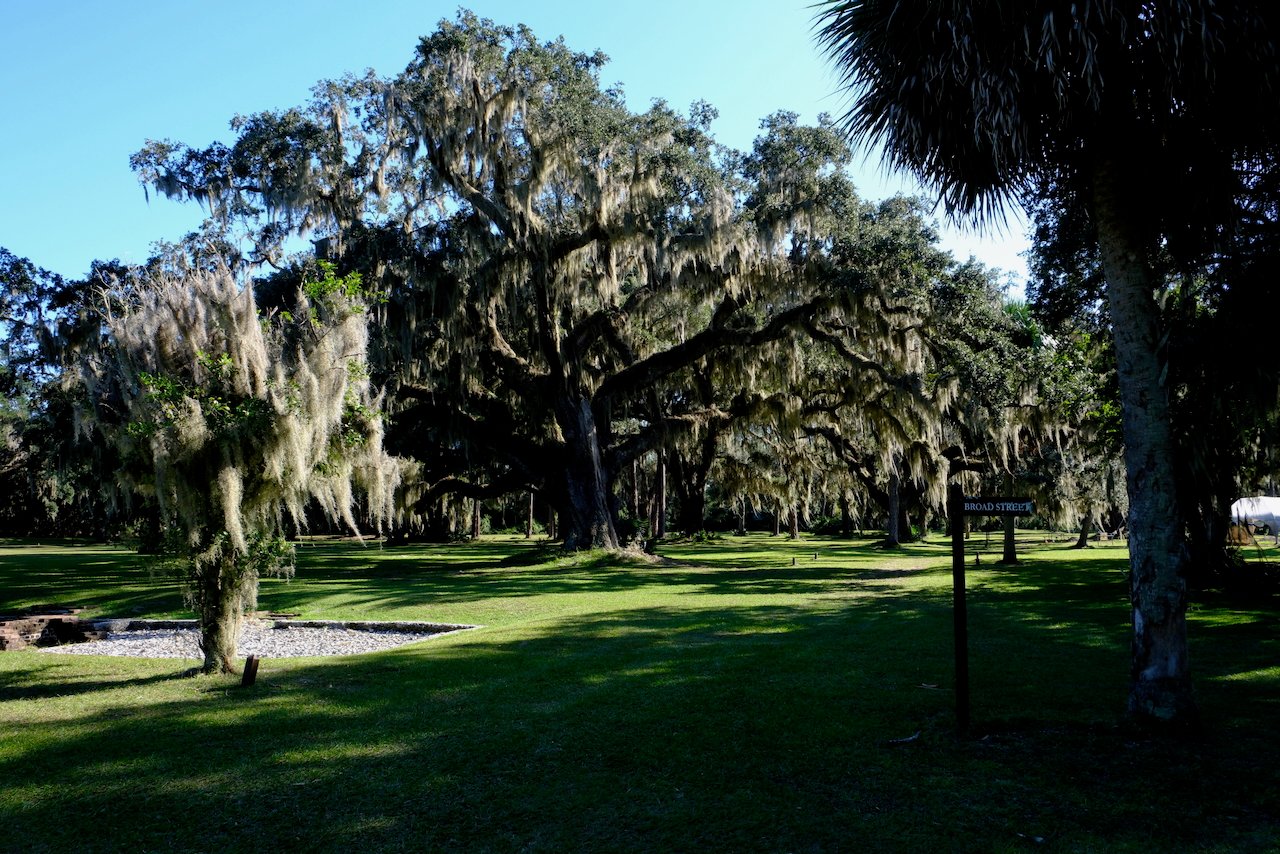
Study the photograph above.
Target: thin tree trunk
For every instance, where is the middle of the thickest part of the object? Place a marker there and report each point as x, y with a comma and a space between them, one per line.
659, 521
892, 538
795, 523
742, 518
1160, 685
846, 519
1010, 556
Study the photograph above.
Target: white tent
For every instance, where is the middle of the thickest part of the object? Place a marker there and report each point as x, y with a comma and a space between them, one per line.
1261, 510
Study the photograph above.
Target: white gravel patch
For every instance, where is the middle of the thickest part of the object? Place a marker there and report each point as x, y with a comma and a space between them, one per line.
262, 640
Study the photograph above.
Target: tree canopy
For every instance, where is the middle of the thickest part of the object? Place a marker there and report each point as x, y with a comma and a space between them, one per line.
559, 268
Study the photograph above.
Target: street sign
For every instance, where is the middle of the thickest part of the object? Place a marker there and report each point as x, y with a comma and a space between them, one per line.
981, 505
958, 506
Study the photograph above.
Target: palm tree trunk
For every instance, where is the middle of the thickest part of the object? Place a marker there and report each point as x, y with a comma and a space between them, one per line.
1160, 683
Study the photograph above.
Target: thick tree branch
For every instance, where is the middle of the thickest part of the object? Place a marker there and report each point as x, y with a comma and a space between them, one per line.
523, 376
716, 336
487, 426
496, 488
841, 346
855, 458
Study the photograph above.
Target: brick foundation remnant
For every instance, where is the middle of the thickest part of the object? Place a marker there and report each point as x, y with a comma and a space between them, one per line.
45, 625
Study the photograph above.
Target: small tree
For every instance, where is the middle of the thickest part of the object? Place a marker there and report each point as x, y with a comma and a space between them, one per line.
232, 419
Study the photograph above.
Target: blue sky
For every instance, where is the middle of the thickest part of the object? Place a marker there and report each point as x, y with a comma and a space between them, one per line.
87, 82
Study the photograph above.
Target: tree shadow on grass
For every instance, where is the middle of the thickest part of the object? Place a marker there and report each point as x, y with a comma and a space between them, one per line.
762, 726
51, 680
617, 730
786, 722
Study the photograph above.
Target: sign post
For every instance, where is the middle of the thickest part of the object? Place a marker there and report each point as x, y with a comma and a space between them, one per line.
958, 506
959, 607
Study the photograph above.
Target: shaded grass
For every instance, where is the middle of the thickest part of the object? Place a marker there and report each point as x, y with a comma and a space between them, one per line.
724, 700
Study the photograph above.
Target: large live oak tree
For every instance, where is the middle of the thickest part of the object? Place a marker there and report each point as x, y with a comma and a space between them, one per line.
553, 260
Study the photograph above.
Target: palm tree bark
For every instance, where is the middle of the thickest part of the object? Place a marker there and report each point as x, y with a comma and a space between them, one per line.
1160, 684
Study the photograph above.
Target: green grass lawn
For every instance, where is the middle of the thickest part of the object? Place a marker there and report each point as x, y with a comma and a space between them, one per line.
741, 695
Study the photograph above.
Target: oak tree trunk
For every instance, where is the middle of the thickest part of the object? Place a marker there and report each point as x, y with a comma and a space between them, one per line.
586, 518
693, 469
1009, 556
218, 605
1086, 527
691, 480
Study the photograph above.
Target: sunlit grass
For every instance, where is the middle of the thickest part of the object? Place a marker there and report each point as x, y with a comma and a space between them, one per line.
734, 695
